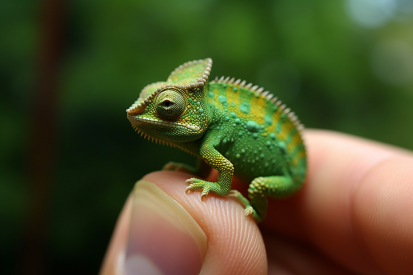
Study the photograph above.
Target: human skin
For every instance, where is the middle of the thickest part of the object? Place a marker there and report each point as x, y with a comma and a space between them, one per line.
352, 216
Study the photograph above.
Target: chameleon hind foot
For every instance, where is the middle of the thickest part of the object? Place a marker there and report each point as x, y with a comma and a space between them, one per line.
249, 210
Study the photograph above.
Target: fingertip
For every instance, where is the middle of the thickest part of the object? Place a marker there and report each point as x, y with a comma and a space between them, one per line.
235, 244
155, 236
118, 241
232, 243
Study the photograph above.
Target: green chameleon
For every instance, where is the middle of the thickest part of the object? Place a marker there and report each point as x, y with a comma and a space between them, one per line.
234, 128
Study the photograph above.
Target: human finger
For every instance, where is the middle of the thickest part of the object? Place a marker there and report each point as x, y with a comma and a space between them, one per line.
166, 231
355, 206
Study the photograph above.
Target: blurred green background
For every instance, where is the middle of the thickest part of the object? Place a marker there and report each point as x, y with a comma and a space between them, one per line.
69, 70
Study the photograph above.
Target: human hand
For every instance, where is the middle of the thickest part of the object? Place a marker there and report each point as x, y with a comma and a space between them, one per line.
353, 216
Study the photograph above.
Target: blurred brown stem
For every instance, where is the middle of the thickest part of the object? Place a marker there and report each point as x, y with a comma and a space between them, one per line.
42, 139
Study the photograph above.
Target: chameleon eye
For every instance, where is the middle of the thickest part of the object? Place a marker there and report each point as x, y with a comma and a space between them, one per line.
170, 104
166, 103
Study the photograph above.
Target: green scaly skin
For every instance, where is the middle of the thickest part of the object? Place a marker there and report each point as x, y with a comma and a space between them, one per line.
234, 128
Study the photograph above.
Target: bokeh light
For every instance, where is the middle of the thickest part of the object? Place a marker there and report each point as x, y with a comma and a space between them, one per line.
376, 13
392, 62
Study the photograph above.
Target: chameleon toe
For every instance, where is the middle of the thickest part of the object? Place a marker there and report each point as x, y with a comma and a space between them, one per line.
203, 196
190, 181
248, 211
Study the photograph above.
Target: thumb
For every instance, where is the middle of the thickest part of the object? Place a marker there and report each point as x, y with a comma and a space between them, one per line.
162, 230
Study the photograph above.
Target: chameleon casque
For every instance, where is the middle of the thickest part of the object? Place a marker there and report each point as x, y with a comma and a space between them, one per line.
234, 128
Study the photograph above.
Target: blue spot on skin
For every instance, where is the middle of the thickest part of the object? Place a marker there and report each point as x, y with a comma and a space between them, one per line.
211, 94
268, 119
201, 110
235, 89
190, 100
237, 121
223, 99
254, 135
233, 115
272, 136
245, 108
253, 126
279, 124
227, 118
291, 135
282, 146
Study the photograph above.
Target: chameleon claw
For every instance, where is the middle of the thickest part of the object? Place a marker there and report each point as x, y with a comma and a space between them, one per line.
191, 180
248, 211
203, 196
188, 189
233, 193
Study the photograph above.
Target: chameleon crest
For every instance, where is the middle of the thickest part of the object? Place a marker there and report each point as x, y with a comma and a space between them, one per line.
235, 128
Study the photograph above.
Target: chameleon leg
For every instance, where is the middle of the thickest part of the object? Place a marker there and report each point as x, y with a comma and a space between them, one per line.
225, 171
262, 187
200, 170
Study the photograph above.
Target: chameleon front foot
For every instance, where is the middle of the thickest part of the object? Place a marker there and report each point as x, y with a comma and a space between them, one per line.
181, 167
206, 186
195, 184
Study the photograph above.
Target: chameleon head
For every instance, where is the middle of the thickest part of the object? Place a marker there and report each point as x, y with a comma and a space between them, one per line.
172, 114
176, 110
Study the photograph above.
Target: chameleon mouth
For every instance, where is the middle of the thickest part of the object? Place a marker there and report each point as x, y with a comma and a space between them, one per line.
139, 121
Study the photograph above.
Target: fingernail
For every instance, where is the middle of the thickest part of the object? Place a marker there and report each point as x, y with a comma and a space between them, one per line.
163, 236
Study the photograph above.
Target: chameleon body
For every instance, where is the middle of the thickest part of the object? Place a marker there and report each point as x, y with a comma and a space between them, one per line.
234, 128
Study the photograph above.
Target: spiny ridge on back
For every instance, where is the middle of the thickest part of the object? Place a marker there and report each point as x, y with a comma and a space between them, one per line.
260, 91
